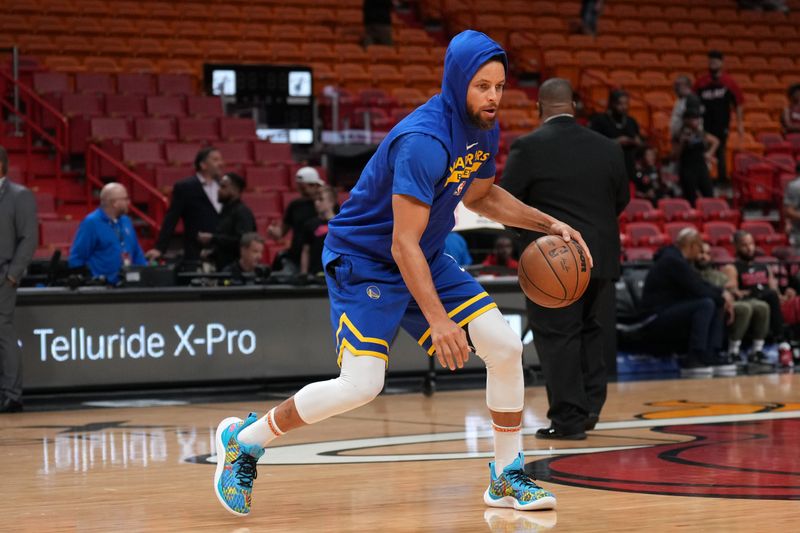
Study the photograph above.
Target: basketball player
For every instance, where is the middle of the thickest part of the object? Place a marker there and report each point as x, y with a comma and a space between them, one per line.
385, 268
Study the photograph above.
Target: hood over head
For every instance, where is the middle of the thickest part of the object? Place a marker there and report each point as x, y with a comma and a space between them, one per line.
467, 53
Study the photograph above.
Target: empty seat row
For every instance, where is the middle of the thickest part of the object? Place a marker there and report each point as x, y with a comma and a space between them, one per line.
123, 83
716, 233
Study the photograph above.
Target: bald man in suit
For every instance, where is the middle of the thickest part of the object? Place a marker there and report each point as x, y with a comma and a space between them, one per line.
579, 176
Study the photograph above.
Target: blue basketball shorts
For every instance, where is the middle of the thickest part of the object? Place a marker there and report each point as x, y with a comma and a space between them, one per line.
370, 301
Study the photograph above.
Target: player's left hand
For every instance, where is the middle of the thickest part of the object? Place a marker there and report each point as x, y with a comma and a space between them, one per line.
566, 232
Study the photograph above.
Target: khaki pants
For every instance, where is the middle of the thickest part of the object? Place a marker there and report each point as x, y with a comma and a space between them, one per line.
750, 315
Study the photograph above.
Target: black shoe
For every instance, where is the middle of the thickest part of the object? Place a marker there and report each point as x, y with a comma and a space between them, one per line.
591, 421
552, 433
10, 406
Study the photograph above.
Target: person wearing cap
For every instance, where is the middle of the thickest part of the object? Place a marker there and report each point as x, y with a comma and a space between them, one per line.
719, 94
298, 213
693, 149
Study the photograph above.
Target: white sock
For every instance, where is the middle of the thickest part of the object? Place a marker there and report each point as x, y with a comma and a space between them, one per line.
507, 445
262, 431
758, 345
734, 346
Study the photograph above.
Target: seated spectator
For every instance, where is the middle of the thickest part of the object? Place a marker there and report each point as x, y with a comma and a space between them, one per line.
748, 314
313, 236
106, 241
503, 254
298, 213
647, 181
753, 280
688, 311
694, 151
245, 269
790, 119
686, 100
456, 247
235, 220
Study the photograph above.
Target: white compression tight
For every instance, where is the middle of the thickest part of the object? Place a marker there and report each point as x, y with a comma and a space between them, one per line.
361, 377
360, 380
501, 350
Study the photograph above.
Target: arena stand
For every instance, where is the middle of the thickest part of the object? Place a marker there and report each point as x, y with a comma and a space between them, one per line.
112, 89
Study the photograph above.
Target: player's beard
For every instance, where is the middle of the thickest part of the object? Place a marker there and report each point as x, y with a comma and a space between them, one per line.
476, 120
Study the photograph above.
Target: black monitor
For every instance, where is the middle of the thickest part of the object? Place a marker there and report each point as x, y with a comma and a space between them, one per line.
280, 97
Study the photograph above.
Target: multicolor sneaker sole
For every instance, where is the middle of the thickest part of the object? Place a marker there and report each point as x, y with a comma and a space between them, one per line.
515, 489
225, 429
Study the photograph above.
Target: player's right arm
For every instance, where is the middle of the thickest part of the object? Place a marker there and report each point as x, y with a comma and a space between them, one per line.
410, 220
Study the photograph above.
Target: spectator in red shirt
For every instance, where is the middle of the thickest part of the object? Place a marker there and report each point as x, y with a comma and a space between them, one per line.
503, 254
719, 94
790, 120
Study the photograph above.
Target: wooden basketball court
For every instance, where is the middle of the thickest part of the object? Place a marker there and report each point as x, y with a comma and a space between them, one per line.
695, 455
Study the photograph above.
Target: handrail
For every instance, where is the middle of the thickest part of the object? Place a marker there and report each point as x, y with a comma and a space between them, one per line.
60, 144
93, 157
35, 102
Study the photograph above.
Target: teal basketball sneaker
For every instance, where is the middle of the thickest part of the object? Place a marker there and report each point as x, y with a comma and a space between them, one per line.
236, 466
516, 489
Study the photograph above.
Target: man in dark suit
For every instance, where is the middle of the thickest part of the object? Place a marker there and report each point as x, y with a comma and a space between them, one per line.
579, 177
195, 201
19, 232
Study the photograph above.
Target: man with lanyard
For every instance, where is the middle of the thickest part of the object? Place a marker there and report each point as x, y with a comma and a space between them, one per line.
106, 241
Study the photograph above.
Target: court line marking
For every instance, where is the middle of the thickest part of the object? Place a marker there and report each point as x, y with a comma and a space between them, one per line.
327, 452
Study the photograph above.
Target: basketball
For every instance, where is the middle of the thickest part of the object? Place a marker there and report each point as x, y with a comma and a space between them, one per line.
553, 272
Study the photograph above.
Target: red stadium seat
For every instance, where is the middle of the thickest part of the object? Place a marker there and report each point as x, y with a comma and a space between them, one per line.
135, 83
204, 106
263, 204
678, 209
639, 209
125, 105
94, 82
672, 229
235, 154
155, 129
45, 206
274, 178
171, 84
139, 153
638, 254
237, 129
79, 110
721, 255
645, 234
763, 232
166, 177
198, 129
166, 106
109, 134
182, 153
57, 233
719, 233
51, 83
267, 153
717, 209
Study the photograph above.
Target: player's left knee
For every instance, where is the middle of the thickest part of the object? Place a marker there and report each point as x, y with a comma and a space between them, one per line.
494, 341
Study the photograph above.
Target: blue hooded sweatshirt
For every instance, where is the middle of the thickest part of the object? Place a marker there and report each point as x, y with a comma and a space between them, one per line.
433, 155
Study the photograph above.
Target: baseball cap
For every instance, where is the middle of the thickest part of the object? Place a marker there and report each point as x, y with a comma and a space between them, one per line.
308, 175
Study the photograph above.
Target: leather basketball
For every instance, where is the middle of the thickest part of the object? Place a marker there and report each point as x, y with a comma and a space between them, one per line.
553, 272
